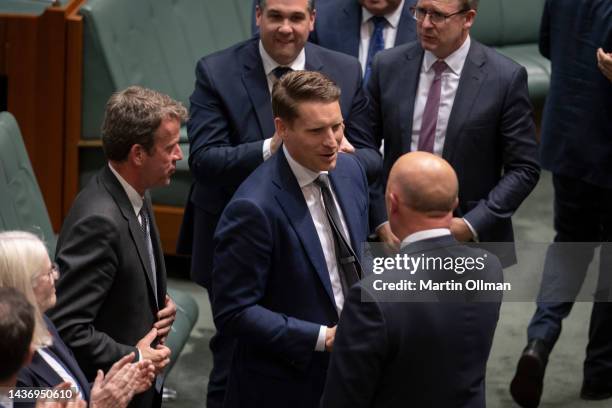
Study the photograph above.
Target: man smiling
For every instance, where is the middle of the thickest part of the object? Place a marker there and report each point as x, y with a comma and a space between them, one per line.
287, 249
231, 130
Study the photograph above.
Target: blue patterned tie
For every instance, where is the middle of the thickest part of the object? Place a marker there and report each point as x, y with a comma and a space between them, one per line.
377, 43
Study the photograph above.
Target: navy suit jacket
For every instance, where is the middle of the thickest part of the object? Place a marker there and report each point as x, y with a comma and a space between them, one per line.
490, 138
231, 115
271, 287
427, 353
338, 26
39, 374
576, 125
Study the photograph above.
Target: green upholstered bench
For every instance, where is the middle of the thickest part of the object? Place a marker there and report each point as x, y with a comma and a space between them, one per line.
21, 203
156, 44
513, 28
187, 313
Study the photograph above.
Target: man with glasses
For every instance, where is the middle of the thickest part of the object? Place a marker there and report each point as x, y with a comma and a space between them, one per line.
452, 96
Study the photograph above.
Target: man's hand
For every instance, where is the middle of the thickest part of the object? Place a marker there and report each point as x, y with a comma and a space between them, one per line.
275, 143
159, 356
144, 377
165, 318
116, 389
387, 237
604, 62
460, 230
345, 145
330, 335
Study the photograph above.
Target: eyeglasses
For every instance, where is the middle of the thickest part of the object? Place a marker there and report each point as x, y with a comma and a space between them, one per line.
435, 17
52, 274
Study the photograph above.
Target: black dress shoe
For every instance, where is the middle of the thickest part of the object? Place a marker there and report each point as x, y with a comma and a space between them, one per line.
595, 392
526, 386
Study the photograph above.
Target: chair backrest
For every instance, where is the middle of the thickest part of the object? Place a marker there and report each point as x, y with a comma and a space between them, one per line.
153, 43
508, 22
21, 203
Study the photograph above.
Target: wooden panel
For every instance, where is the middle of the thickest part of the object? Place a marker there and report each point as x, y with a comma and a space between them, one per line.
74, 85
169, 221
34, 61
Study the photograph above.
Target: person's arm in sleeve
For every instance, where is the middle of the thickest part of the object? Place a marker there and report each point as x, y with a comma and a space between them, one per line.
357, 361
215, 152
521, 170
87, 259
242, 263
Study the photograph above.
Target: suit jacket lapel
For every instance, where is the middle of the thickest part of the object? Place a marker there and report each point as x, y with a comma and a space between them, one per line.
408, 75
291, 200
470, 83
340, 184
350, 20
116, 190
406, 30
313, 61
160, 265
256, 85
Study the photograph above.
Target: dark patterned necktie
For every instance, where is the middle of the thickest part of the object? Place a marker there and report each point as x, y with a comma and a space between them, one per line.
347, 260
280, 71
145, 227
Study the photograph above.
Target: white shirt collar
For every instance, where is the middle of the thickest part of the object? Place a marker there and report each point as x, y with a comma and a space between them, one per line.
392, 18
135, 199
455, 61
425, 234
304, 175
269, 64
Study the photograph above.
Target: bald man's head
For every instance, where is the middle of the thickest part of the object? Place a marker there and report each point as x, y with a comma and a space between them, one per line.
425, 183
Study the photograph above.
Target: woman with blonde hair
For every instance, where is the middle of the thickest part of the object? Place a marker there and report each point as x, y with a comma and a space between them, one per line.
25, 266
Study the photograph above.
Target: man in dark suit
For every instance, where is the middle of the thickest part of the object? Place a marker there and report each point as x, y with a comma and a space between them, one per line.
421, 348
231, 130
111, 297
452, 96
577, 149
287, 249
361, 28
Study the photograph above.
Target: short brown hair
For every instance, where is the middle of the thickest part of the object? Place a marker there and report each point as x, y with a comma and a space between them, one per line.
132, 116
311, 5
469, 4
301, 86
16, 330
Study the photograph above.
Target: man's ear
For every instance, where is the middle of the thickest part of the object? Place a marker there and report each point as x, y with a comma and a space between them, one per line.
392, 203
29, 355
470, 15
456, 203
281, 128
313, 17
136, 154
258, 15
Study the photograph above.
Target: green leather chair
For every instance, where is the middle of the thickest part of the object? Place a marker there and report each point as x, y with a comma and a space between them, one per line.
21, 203
155, 44
513, 28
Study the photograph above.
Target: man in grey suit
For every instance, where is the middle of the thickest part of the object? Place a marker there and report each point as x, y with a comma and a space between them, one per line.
452, 96
111, 296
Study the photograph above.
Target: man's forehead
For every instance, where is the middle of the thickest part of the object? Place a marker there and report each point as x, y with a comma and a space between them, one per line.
441, 4
293, 5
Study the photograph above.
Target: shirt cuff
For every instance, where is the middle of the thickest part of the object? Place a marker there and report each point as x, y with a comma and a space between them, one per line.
266, 149
320, 346
472, 230
378, 227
